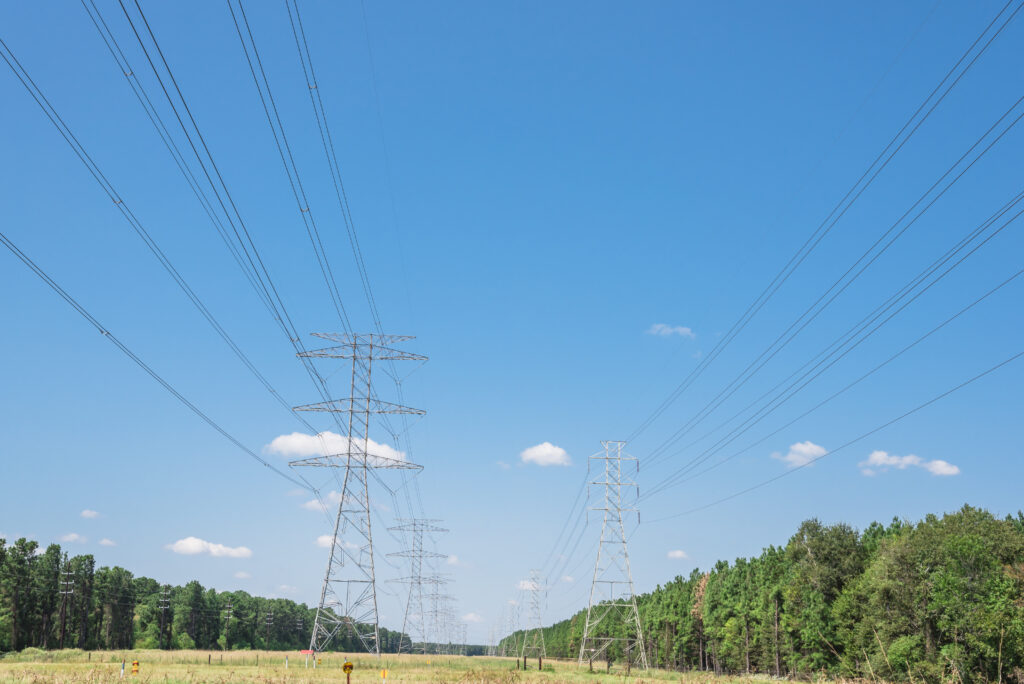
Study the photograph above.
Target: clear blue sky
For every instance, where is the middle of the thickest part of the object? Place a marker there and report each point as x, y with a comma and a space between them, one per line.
558, 178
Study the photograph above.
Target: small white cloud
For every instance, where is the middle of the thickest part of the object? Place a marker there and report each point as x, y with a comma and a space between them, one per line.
545, 454
801, 454
663, 330
191, 546
453, 560
503, 465
881, 461
527, 585
73, 538
242, 574
300, 444
324, 541
287, 589
513, 602
940, 467
677, 554
472, 617
89, 513
107, 542
568, 579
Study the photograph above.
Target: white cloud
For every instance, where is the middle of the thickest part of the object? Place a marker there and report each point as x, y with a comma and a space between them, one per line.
242, 574
513, 602
677, 554
287, 589
89, 513
300, 444
191, 546
801, 454
503, 465
545, 454
107, 542
324, 541
527, 585
453, 560
74, 538
663, 330
568, 579
472, 617
881, 461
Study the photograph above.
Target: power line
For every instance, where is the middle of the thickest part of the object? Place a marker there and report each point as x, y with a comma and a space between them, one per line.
865, 435
138, 361
858, 188
819, 305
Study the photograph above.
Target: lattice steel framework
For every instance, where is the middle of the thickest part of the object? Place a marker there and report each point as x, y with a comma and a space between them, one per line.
415, 620
612, 589
510, 646
348, 597
533, 640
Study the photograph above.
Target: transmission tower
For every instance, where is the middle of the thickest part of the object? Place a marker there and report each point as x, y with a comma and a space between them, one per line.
612, 589
228, 614
414, 621
67, 588
348, 597
533, 640
165, 604
510, 647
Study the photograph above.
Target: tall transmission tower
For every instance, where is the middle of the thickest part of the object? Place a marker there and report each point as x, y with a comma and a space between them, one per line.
165, 604
67, 589
611, 592
533, 640
510, 647
348, 597
414, 622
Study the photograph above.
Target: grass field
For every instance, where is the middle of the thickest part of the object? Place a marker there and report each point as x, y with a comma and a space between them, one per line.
193, 667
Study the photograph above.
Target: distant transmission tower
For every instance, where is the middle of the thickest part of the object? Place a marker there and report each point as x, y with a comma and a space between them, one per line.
510, 647
533, 640
612, 589
415, 621
348, 597
67, 589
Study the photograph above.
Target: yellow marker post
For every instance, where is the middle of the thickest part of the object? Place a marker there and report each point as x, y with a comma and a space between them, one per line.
347, 669
384, 676
135, 667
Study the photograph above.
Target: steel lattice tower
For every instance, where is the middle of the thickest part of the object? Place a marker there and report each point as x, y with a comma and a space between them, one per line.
533, 640
415, 620
348, 597
612, 589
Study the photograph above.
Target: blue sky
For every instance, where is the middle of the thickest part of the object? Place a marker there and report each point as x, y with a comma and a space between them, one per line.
535, 186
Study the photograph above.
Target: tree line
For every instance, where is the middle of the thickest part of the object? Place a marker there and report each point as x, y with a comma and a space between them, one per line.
939, 600
50, 600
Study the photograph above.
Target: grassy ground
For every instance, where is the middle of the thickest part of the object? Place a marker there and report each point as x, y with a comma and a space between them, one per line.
195, 667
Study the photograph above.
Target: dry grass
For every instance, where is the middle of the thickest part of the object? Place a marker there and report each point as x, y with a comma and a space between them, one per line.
202, 667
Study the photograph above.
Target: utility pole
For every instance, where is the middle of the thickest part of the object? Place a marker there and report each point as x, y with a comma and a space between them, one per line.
533, 640
414, 622
67, 587
165, 604
348, 596
612, 587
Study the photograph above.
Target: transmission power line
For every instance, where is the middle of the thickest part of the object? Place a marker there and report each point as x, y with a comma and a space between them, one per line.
858, 188
846, 279
851, 442
611, 592
82, 311
834, 352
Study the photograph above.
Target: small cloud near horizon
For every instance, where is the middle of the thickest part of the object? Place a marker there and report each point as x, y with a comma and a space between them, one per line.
89, 513
677, 554
663, 330
881, 461
107, 542
192, 546
801, 454
545, 454
73, 538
